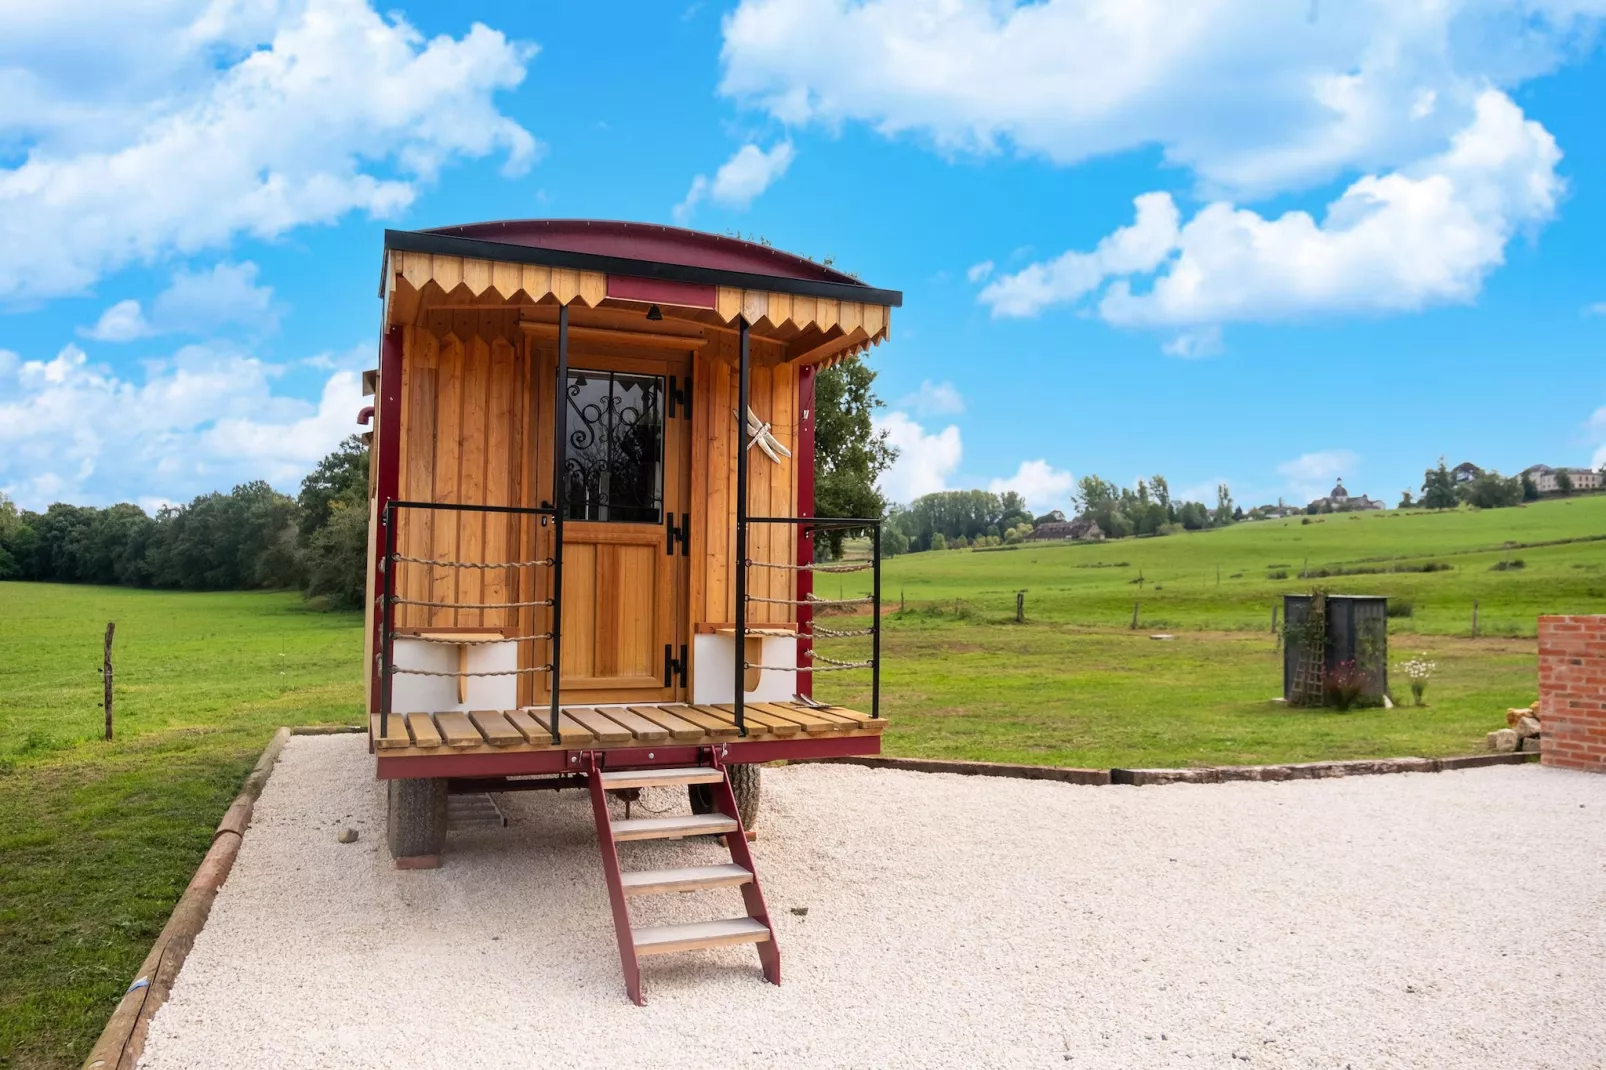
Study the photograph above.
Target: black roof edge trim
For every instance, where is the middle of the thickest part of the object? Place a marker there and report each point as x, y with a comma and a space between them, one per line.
412, 241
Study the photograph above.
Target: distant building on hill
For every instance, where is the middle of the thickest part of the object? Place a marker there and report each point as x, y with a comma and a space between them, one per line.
1544, 478
1466, 472
1083, 529
1340, 500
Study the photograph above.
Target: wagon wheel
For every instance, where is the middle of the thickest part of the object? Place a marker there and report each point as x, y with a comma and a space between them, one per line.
415, 819
744, 785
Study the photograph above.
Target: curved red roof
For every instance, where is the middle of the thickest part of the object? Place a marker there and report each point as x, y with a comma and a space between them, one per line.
648, 242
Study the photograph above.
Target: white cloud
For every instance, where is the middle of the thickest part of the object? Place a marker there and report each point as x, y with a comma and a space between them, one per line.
205, 300
1596, 309
196, 302
1140, 247
122, 322
934, 399
1042, 485
1311, 475
980, 272
1595, 426
925, 461
204, 419
1252, 96
1426, 234
203, 121
1194, 345
739, 180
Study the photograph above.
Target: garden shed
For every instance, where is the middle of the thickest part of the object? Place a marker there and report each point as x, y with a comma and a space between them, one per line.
1323, 632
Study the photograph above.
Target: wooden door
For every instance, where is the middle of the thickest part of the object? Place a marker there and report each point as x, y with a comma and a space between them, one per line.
624, 576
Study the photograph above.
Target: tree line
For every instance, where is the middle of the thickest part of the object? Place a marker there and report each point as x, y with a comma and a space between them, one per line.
1148, 508
1486, 490
253, 537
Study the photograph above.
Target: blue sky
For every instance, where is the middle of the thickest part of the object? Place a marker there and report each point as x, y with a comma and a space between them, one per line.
1256, 242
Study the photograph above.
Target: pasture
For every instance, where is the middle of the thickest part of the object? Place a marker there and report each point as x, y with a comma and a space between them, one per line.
1228, 580
98, 839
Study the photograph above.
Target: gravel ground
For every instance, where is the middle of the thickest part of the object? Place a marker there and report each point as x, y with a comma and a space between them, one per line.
1440, 920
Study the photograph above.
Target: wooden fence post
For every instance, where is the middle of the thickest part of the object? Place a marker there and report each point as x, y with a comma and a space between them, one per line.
1274, 618
1020, 607
1134, 616
1474, 618
106, 675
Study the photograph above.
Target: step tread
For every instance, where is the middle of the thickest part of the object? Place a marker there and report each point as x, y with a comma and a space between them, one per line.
648, 778
688, 936
666, 828
686, 879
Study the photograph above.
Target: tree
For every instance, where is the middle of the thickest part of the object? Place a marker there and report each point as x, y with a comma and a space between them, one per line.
1490, 490
336, 555
939, 541
1438, 488
1406, 501
1530, 489
1223, 515
336, 474
1564, 482
849, 454
1162, 493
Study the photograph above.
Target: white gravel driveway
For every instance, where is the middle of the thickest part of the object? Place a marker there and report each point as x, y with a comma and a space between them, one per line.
1421, 920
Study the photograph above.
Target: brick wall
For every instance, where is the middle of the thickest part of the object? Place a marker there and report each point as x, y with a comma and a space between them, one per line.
1572, 692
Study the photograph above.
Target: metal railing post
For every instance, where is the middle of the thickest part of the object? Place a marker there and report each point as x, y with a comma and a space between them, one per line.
560, 424
386, 621
875, 623
741, 527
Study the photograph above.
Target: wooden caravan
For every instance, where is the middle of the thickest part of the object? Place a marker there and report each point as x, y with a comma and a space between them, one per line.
592, 534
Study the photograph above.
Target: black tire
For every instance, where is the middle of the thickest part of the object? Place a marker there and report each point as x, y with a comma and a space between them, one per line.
415, 819
744, 785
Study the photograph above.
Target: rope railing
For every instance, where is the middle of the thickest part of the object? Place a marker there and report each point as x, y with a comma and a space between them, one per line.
809, 668
817, 632
813, 601
490, 672
817, 656
476, 642
849, 566
542, 561
395, 601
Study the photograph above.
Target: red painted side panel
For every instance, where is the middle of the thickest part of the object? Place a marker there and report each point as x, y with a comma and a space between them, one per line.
386, 457
526, 763
661, 291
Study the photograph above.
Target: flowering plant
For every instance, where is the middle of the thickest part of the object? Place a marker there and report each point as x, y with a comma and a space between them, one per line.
1344, 684
1419, 670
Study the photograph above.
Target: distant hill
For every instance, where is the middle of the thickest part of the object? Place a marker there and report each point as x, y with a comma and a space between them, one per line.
1560, 544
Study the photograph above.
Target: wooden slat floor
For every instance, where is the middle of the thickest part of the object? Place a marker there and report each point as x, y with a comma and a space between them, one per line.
601, 727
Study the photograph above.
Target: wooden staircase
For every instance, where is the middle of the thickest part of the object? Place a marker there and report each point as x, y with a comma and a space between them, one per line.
725, 822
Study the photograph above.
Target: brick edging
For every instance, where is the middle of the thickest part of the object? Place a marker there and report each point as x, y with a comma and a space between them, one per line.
1217, 774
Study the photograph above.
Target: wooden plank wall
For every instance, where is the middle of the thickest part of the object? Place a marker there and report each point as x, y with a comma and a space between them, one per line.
467, 409
772, 488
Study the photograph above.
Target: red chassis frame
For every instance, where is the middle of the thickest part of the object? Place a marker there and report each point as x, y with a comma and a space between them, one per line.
524, 763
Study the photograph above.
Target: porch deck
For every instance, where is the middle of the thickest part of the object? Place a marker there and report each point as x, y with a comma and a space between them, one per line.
677, 725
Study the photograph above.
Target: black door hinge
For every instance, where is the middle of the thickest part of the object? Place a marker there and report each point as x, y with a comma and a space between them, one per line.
674, 667
680, 395
682, 534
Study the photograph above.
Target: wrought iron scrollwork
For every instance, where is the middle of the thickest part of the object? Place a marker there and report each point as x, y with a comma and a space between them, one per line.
614, 461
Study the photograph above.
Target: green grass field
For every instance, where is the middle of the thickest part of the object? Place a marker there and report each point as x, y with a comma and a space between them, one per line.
98, 839
1096, 584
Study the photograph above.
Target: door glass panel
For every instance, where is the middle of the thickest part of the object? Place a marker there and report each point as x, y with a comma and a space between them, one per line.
614, 464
